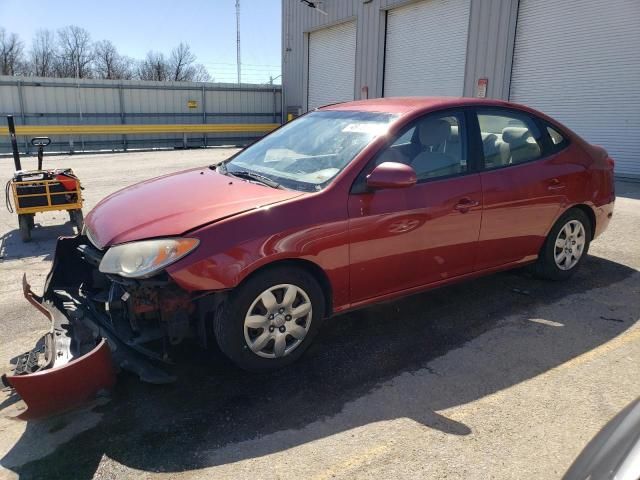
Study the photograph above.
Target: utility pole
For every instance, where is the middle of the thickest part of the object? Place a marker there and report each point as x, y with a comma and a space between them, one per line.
238, 38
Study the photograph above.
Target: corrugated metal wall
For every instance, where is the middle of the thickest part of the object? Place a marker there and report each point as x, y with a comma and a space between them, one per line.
591, 75
489, 45
412, 65
47, 101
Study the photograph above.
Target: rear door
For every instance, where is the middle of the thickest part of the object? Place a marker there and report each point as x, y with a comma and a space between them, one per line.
405, 238
524, 185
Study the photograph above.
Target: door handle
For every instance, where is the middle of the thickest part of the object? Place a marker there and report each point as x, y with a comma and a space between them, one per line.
465, 204
555, 184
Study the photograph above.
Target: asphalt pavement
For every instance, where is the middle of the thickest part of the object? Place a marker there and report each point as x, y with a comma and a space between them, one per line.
502, 377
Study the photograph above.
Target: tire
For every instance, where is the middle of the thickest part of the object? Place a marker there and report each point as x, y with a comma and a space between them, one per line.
25, 222
244, 345
77, 218
547, 266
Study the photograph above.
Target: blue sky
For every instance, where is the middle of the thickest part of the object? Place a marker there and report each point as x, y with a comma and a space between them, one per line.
137, 26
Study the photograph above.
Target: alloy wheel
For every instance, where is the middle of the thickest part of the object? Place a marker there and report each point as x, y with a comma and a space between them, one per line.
278, 321
569, 245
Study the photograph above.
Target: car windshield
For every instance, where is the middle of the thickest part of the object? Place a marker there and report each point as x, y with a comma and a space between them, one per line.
309, 152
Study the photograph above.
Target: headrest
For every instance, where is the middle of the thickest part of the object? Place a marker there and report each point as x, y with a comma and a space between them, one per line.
517, 135
453, 134
434, 132
489, 137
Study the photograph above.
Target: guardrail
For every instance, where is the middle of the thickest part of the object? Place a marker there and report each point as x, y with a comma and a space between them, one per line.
43, 130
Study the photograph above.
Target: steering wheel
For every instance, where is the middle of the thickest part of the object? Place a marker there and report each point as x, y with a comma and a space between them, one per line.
40, 141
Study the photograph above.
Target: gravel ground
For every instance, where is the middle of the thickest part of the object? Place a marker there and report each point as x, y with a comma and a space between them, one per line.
502, 377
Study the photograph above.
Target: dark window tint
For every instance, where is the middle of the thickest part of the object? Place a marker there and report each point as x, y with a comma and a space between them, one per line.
433, 146
508, 138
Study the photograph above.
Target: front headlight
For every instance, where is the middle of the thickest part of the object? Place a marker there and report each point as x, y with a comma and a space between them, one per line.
146, 258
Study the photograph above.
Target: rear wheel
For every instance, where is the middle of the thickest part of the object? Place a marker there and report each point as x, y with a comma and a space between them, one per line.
25, 222
270, 320
566, 246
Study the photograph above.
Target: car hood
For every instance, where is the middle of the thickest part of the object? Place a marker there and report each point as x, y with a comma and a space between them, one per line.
174, 204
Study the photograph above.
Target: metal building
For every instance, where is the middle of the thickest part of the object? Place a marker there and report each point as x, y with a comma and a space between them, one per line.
576, 60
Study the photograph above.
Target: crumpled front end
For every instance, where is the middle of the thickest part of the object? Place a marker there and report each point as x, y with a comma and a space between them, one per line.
100, 323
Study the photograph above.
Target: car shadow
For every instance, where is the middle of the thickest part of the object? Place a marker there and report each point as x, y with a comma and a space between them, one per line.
42, 244
367, 366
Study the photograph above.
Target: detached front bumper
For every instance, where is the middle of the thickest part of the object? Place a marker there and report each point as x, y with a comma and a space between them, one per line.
51, 377
79, 356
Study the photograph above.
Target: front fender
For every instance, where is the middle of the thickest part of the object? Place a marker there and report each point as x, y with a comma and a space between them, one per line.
230, 251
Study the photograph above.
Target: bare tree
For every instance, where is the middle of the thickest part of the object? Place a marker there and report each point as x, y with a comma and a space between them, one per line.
43, 54
11, 54
154, 67
75, 52
71, 54
109, 64
128, 67
181, 63
183, 67
200, 74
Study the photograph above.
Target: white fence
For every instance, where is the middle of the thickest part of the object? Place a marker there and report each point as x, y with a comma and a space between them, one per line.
129, 113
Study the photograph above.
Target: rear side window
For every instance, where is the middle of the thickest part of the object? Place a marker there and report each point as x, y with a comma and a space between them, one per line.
508, 138
556, 140
556, 137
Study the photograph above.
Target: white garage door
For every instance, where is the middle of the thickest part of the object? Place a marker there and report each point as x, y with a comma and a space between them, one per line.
579, 62
426, 48
332, 65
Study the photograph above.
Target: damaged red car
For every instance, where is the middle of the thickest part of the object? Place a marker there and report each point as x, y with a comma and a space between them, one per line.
345, 206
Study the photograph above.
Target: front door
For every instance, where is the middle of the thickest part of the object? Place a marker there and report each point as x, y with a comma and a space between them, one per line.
406, 238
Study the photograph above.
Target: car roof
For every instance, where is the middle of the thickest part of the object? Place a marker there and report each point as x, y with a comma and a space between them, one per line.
403, 105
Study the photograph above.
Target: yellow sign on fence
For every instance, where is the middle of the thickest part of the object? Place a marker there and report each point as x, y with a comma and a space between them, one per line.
192, 104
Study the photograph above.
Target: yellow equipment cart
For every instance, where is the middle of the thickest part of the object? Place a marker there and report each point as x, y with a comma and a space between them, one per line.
36, 191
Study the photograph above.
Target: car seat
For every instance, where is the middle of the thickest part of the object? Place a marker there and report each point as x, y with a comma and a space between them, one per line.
433, 135
522, 146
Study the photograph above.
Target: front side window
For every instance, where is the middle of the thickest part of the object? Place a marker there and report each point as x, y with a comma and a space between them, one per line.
508, 138
309, 152
434, 146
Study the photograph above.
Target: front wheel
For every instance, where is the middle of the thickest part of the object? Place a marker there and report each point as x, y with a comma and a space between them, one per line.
25, 222
270, 320
566, 246
77, 219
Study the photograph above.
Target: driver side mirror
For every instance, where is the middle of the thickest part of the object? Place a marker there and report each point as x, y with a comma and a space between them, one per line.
391, 175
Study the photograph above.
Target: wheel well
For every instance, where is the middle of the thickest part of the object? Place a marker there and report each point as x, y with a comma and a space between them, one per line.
588, 211
309, 267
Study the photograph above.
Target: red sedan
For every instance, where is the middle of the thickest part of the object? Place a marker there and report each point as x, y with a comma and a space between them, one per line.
347, 205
